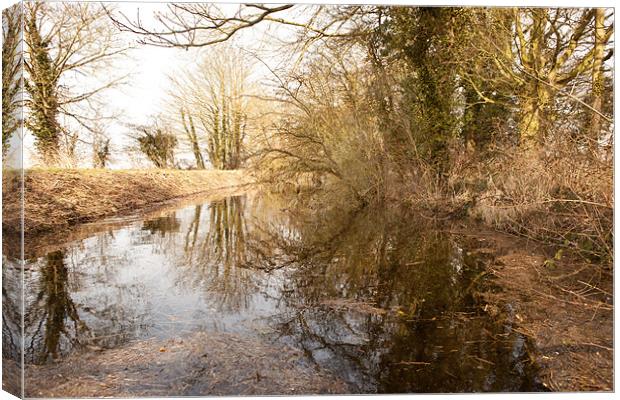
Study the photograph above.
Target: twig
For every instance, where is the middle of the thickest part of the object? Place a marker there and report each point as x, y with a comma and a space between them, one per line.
596, 288
412, 363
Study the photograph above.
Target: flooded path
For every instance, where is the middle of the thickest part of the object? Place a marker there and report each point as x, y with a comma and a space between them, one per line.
227, 296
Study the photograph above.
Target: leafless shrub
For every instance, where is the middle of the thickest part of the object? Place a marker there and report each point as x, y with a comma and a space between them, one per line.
328, 133
564, 197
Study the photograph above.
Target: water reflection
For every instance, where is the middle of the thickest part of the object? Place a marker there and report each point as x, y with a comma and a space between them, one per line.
214, 250
11, 325
162, 225
375, 296
390, 305
52, 318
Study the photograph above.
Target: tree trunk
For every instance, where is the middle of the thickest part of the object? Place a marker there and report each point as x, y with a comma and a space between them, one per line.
531, 124
190, 130
597, 73
41, 86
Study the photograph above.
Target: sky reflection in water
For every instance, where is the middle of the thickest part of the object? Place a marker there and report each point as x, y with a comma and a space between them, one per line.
374, 296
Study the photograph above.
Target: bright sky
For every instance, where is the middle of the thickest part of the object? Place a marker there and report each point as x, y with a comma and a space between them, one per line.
143, 95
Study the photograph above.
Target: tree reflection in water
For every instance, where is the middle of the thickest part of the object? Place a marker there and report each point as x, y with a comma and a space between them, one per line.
384, 300
215, 252
224, 243
11, 311
390, 306
51, 321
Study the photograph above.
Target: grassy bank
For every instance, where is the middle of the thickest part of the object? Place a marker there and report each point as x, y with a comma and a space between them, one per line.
58, 198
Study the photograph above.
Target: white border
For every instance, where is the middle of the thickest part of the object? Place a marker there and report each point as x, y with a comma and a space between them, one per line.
501, 3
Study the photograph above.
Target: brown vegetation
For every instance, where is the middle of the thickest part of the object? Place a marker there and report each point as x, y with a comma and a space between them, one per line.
565, 308
564, 199
61, 198
196, 365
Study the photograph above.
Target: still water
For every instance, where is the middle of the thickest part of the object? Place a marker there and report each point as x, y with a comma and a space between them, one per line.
376, 297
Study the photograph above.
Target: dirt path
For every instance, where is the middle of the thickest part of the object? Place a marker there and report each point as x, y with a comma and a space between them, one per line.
197, 365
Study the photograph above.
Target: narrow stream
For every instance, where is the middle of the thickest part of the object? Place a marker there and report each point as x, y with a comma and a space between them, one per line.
375, 297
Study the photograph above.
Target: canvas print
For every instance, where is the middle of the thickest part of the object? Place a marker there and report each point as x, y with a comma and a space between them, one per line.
204, 199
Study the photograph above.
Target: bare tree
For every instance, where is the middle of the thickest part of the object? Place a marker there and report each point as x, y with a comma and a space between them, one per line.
551, 49
12, 74
200, 25
190, 130
216, 95
325, 126
64, 43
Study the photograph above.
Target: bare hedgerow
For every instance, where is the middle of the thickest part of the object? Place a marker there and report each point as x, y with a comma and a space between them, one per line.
564, 197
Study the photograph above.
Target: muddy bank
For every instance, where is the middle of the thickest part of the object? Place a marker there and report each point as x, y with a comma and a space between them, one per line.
11, 377
57, 199
196, 365
564, 306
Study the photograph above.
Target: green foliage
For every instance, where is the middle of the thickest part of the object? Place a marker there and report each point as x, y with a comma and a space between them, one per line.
42, 88
422, 38
157, 145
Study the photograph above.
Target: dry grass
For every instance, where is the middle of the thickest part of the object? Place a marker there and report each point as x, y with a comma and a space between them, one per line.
58, 198
560, 289
563, 198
